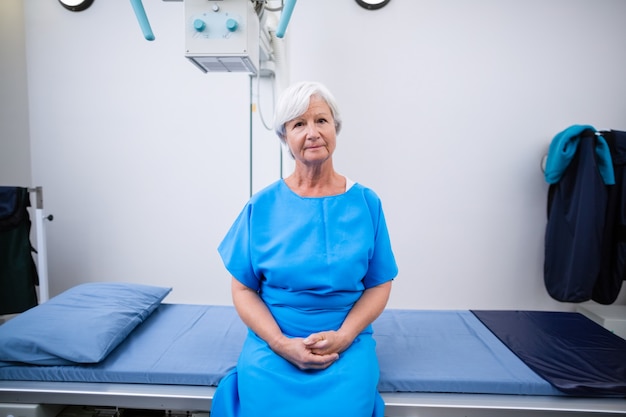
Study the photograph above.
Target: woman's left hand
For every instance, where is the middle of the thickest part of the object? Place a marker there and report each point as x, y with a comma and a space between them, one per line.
363, 313
324, 343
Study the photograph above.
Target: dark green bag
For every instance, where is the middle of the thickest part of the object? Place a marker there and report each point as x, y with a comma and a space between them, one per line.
18, 273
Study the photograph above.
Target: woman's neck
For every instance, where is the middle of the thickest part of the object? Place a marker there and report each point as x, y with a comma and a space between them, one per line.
316, 183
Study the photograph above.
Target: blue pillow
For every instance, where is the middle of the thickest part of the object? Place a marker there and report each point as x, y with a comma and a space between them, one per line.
81, 325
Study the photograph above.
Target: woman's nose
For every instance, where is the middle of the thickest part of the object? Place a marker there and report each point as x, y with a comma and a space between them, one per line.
311, 131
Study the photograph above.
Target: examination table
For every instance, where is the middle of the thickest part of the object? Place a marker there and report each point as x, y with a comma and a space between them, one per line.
162, 356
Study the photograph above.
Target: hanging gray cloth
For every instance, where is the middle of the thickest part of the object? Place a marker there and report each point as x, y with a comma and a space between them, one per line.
18, 273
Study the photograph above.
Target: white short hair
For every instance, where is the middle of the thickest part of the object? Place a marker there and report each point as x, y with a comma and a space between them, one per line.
294, 102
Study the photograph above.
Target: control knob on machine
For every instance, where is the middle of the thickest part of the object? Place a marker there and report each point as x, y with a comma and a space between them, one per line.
199, 25
231, 25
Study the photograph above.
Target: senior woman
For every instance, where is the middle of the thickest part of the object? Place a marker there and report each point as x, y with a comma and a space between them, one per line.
312, 267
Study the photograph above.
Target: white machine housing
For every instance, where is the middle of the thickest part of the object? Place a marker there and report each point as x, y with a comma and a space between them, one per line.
222, 35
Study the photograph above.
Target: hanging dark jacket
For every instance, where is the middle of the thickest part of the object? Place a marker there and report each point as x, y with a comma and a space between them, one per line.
577, 202
18, 273
613, 264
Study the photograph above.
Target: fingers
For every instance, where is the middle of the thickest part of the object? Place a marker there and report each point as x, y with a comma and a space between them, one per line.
315, 357
319, 361
316, 341
313, 339
323, 343
303, 357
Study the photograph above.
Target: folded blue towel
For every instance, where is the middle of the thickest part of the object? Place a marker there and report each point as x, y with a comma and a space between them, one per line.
563, 148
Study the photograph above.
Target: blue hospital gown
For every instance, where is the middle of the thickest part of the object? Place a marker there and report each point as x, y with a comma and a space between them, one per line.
310, 259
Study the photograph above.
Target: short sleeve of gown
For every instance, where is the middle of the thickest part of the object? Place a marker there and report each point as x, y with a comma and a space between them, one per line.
382, 264
235, 250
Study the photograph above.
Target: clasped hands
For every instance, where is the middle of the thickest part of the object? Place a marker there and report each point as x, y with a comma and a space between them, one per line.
317, 351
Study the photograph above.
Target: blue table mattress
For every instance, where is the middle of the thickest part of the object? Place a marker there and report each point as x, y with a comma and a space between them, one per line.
419, 351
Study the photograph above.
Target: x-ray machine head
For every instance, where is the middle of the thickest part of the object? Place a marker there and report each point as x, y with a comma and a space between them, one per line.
223, 36
226, 35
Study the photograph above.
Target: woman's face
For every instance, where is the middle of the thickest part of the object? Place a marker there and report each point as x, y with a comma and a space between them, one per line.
311, 137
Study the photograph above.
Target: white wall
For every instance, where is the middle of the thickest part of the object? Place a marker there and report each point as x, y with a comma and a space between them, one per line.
448, 107
14, 140
143, 158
